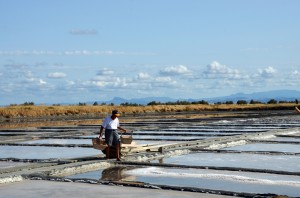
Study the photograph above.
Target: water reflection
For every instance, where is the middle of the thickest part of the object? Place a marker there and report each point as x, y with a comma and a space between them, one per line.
117, 173
112, 173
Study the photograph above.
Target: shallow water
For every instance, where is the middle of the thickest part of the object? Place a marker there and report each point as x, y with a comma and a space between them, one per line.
267, 147
39, 152
255, 161
59, 141
210, 179
220, 180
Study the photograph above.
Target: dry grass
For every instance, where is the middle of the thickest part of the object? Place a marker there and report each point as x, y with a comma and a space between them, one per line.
36, 116
45, 111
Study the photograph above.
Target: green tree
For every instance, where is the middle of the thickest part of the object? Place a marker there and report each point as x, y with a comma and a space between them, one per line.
28, 103
254, 102
241, 102
272, 101
153, 103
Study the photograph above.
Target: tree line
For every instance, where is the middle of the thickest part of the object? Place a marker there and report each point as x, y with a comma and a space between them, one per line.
239, 102
178, 102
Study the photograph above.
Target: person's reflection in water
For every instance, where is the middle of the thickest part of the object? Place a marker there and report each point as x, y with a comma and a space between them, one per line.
161, 160
113, 174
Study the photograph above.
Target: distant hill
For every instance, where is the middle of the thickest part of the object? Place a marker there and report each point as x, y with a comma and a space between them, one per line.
279, 95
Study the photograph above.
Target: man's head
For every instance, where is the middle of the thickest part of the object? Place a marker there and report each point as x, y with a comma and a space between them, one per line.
115, 113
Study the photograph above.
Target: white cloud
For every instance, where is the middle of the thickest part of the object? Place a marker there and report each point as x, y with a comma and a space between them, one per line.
105, 72
163, 79
56, 75
35, 81
175, 70
70, 82
41, 82
140, 81
120, 82
30, 79
18, 66
164, 82
28, 53
108, 82
83, 32
296, 73
143, 76
216, 70
99, 83
28, 73
72, 53
268, 72
94, 53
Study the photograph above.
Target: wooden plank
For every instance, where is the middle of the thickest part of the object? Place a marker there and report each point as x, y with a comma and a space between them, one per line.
138, 149
297, 109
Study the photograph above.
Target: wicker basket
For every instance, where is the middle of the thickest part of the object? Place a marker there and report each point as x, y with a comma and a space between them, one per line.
99, 144
126, 139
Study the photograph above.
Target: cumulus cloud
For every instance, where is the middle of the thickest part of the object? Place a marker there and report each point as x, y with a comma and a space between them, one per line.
293, 79
164, 82
70, 82
105, 72
97, 83
28, 53
295, 73
268, 72
109, 82
35, 81
175, 70
93, 53
216, 70
163, 79
83, 32
17, 66
41, 82
143, 76
56, 75
103, 53
71, 53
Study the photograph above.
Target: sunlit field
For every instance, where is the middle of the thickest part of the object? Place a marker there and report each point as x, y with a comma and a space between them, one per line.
34, 111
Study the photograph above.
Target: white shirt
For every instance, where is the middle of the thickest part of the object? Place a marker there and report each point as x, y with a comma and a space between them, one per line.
109, 123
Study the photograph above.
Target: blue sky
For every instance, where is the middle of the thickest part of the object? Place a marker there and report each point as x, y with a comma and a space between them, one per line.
93, 50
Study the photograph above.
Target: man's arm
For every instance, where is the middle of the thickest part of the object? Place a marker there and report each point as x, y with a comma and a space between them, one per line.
122, 129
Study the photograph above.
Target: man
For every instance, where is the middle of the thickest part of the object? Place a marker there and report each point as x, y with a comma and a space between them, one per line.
111, 124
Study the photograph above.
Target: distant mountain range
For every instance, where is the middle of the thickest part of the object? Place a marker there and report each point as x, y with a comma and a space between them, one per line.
279, 95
